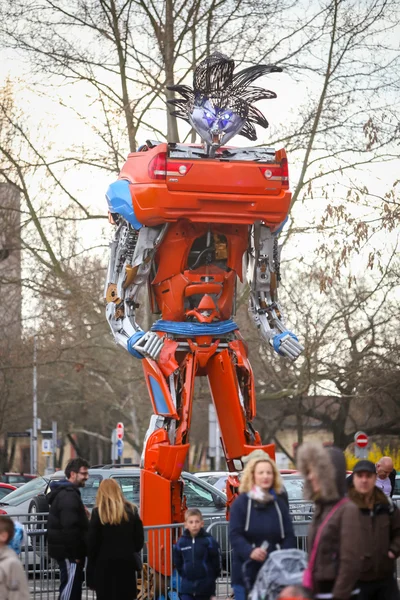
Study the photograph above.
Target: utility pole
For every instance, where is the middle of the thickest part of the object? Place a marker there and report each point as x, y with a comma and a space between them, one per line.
114, 449
54, 445
30, 450
34, 428
214, 443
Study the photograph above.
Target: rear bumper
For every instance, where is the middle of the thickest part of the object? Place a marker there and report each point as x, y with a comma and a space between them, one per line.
155, 204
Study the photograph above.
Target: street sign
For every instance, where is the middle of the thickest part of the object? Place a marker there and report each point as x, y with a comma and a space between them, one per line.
361, 439
22, 434
120, 447
120, 431
47, 447
361, 445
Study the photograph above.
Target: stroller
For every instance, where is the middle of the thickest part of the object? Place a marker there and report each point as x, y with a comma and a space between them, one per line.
283, 568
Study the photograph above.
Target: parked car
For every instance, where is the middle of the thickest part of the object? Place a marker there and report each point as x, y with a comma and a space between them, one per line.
17, 502
29, 498
294, 484
215, 478
292, 480
6, 488
198, 494
300, 509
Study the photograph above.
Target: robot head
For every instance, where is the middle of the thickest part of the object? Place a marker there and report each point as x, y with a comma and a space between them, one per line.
219, 105
214, 124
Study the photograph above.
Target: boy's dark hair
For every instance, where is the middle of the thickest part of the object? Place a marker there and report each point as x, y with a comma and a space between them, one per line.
7, 524
193, 512
74, 465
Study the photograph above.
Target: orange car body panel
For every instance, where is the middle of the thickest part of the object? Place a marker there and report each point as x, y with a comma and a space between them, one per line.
212, 191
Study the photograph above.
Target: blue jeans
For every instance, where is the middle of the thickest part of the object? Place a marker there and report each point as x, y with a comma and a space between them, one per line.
240, 592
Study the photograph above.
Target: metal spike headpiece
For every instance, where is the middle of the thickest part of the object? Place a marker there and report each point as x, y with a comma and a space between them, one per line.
220, 104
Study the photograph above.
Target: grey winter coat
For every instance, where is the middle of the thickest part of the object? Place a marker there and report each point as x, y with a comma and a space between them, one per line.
13, 582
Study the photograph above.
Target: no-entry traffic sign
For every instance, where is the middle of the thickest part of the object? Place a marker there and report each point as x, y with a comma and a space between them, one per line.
361, 439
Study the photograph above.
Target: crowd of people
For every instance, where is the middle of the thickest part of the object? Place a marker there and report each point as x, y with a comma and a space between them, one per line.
354, 536
353, 540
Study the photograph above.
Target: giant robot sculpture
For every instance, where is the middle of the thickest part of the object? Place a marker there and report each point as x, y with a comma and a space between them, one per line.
189, 220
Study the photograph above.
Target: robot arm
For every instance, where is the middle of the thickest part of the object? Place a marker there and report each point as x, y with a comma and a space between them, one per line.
263, 277
132, 253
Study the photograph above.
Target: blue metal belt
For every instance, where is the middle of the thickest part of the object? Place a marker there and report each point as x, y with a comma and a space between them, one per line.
194, 329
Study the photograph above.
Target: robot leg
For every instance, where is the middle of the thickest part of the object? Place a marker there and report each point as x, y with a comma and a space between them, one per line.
232, 388
164, 455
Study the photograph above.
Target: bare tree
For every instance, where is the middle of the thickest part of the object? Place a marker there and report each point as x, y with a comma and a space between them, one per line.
122, 54
345, 381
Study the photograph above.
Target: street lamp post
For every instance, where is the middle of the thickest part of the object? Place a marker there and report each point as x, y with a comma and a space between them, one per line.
34, 428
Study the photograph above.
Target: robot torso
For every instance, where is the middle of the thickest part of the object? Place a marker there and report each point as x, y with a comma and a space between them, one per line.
196, 269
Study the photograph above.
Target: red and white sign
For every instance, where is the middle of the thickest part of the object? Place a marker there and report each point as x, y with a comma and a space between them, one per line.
120, 431
361, 439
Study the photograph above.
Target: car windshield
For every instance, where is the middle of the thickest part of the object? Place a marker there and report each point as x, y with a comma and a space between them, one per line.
294, 488
130, 487
211, 479
25, 492
196, 495
88, 493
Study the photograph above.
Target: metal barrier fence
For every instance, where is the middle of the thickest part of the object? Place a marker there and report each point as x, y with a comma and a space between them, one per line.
44, 578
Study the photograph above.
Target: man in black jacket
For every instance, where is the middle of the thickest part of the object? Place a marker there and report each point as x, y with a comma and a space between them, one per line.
67, 528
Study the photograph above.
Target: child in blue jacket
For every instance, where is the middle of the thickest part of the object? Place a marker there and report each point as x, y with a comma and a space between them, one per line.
197, 558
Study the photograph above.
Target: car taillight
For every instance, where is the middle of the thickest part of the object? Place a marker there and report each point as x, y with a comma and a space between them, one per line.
278, 172
2, 512
159, 167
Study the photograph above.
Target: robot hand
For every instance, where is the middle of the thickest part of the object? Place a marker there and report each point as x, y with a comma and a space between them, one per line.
287, 344
148, 345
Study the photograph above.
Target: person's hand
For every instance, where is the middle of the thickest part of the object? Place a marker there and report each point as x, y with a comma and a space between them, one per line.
391, 555
258, 554
87, 512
